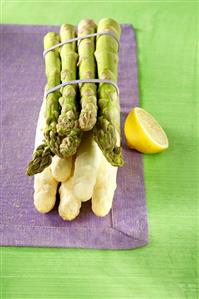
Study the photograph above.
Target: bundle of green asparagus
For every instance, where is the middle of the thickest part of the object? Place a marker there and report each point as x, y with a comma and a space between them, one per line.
75, 109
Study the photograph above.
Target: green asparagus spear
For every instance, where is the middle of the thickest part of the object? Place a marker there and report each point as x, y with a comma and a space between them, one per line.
42, 156
107, 129
87, 70
41, 159
68, 125
52, 65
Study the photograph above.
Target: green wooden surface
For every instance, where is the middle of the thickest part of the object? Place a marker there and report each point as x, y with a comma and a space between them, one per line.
167, 268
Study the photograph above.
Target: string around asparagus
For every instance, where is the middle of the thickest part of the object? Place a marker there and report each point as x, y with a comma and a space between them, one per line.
80, 81
79, 39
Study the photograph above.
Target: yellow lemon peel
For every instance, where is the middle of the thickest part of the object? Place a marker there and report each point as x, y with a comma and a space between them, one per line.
144, 133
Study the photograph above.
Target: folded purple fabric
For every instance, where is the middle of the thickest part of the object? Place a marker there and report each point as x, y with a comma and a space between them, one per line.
23, 81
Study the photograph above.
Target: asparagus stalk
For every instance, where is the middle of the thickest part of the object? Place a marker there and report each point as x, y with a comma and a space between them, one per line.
42, 156
103, 192
45, 189
107, 129
41, 159
61, 168
86, 165
69, 206
68, 126
86, 48
52, 66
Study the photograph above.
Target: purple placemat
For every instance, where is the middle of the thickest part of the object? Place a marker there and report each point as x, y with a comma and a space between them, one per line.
23, 81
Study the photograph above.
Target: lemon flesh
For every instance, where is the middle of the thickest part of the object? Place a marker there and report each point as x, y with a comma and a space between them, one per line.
144, 133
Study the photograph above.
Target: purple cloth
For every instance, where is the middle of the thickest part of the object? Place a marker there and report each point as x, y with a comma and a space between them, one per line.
23, 81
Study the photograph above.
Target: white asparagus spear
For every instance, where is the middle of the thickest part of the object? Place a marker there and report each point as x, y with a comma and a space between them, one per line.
86, 165
69, 206
104, 188
45, 186
61, 168
39, 135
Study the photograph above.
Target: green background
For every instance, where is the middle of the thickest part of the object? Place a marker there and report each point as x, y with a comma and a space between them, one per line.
167, 268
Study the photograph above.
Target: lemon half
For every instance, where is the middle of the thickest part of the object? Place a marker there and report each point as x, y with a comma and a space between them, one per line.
144, 133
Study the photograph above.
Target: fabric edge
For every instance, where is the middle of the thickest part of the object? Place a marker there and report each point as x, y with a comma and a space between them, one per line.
113, 239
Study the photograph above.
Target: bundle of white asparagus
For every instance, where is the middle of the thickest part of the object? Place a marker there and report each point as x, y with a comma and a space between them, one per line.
88, 175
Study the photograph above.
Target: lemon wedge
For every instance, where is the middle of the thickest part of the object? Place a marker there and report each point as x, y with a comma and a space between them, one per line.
144, 133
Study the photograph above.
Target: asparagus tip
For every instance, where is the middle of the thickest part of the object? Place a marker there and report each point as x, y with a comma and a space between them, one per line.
42, 158
70, 143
